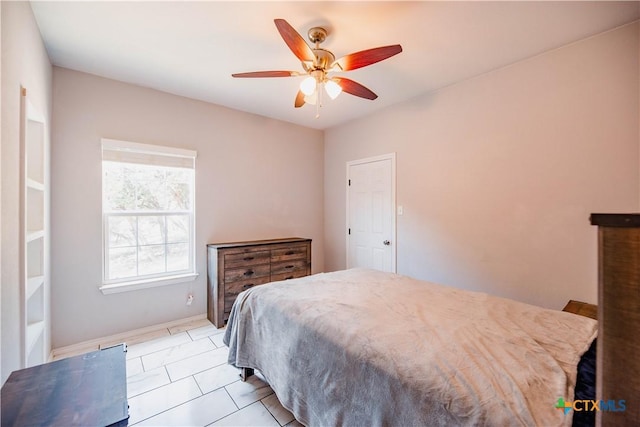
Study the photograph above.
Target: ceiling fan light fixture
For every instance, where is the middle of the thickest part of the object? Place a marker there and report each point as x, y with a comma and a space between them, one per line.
332, 88
308, 85
318, 62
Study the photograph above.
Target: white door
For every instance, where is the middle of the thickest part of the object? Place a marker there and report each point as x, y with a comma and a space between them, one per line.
371, 213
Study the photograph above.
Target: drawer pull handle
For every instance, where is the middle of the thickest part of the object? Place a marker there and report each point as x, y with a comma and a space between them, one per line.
247, 286
249, 273
290, 266
247, 258
289, 252
287, 278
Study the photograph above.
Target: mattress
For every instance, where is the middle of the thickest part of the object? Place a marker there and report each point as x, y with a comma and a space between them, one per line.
363, 347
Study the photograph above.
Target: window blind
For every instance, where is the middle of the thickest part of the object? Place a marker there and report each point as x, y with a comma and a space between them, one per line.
147, 154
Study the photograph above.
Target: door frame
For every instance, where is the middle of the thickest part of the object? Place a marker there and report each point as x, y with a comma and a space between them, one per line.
394, 246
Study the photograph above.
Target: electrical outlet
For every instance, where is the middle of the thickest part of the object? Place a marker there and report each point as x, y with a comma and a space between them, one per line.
189, 299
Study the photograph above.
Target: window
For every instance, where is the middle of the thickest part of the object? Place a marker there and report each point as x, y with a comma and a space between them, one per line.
148, 215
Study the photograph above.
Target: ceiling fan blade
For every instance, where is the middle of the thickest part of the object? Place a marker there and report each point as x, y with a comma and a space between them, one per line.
299, 102
367, 57
294, 40
354, 88
267, 74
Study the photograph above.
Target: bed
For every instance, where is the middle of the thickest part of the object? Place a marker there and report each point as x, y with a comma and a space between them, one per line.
362, 347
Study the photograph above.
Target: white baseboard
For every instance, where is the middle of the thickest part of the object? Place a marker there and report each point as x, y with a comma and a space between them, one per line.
94, 344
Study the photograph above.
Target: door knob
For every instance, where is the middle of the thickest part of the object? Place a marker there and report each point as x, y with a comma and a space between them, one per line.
386, 243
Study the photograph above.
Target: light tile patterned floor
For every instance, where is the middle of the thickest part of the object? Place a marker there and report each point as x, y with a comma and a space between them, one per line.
182, 379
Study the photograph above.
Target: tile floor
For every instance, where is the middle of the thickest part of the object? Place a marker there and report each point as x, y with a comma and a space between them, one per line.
182, 379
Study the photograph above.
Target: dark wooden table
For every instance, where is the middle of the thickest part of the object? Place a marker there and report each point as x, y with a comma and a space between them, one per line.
85, 390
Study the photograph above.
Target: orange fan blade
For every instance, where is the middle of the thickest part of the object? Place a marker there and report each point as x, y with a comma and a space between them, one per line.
354, 88
296, 43
367, 57
266, 74
299, 102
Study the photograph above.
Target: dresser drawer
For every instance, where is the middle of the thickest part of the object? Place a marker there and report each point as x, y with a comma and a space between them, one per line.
290, 253
286, 267
233, 289
245, 273
290, 275
245, 259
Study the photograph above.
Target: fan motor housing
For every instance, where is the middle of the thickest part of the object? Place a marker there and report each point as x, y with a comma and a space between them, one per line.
324, 58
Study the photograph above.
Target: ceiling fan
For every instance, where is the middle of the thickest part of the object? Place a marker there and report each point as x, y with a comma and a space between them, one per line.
318, 63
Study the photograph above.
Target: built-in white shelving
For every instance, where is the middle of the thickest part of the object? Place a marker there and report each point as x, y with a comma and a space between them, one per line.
33, 235
34, 331
35, 185
34, 245
33, 284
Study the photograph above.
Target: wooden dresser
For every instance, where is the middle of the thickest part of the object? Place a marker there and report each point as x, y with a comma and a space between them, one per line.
234, 267
618, 355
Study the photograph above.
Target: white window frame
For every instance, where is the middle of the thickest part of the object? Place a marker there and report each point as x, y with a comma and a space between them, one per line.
146, 154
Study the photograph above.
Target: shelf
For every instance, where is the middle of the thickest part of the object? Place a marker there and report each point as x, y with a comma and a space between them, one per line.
34, 331
34, 235
35, 185
33, 284
34, 230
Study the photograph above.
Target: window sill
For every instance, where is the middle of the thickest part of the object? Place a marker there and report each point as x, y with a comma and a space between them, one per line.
135, 285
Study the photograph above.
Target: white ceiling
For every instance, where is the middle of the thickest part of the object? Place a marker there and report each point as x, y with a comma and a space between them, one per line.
192, 48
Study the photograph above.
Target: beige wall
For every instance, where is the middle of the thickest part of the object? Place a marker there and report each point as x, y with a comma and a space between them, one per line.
256, 178
498, 174
24, 62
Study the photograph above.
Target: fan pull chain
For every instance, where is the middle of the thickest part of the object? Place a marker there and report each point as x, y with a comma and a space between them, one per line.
319, 88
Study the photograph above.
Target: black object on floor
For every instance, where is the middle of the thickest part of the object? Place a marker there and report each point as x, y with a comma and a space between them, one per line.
85, 390
586, 387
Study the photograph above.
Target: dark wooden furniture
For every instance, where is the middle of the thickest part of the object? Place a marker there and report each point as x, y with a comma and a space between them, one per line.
618, 366
582, 308
237, 266
85, 390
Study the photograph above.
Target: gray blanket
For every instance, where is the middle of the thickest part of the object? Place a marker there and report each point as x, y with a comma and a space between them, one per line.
366, 348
